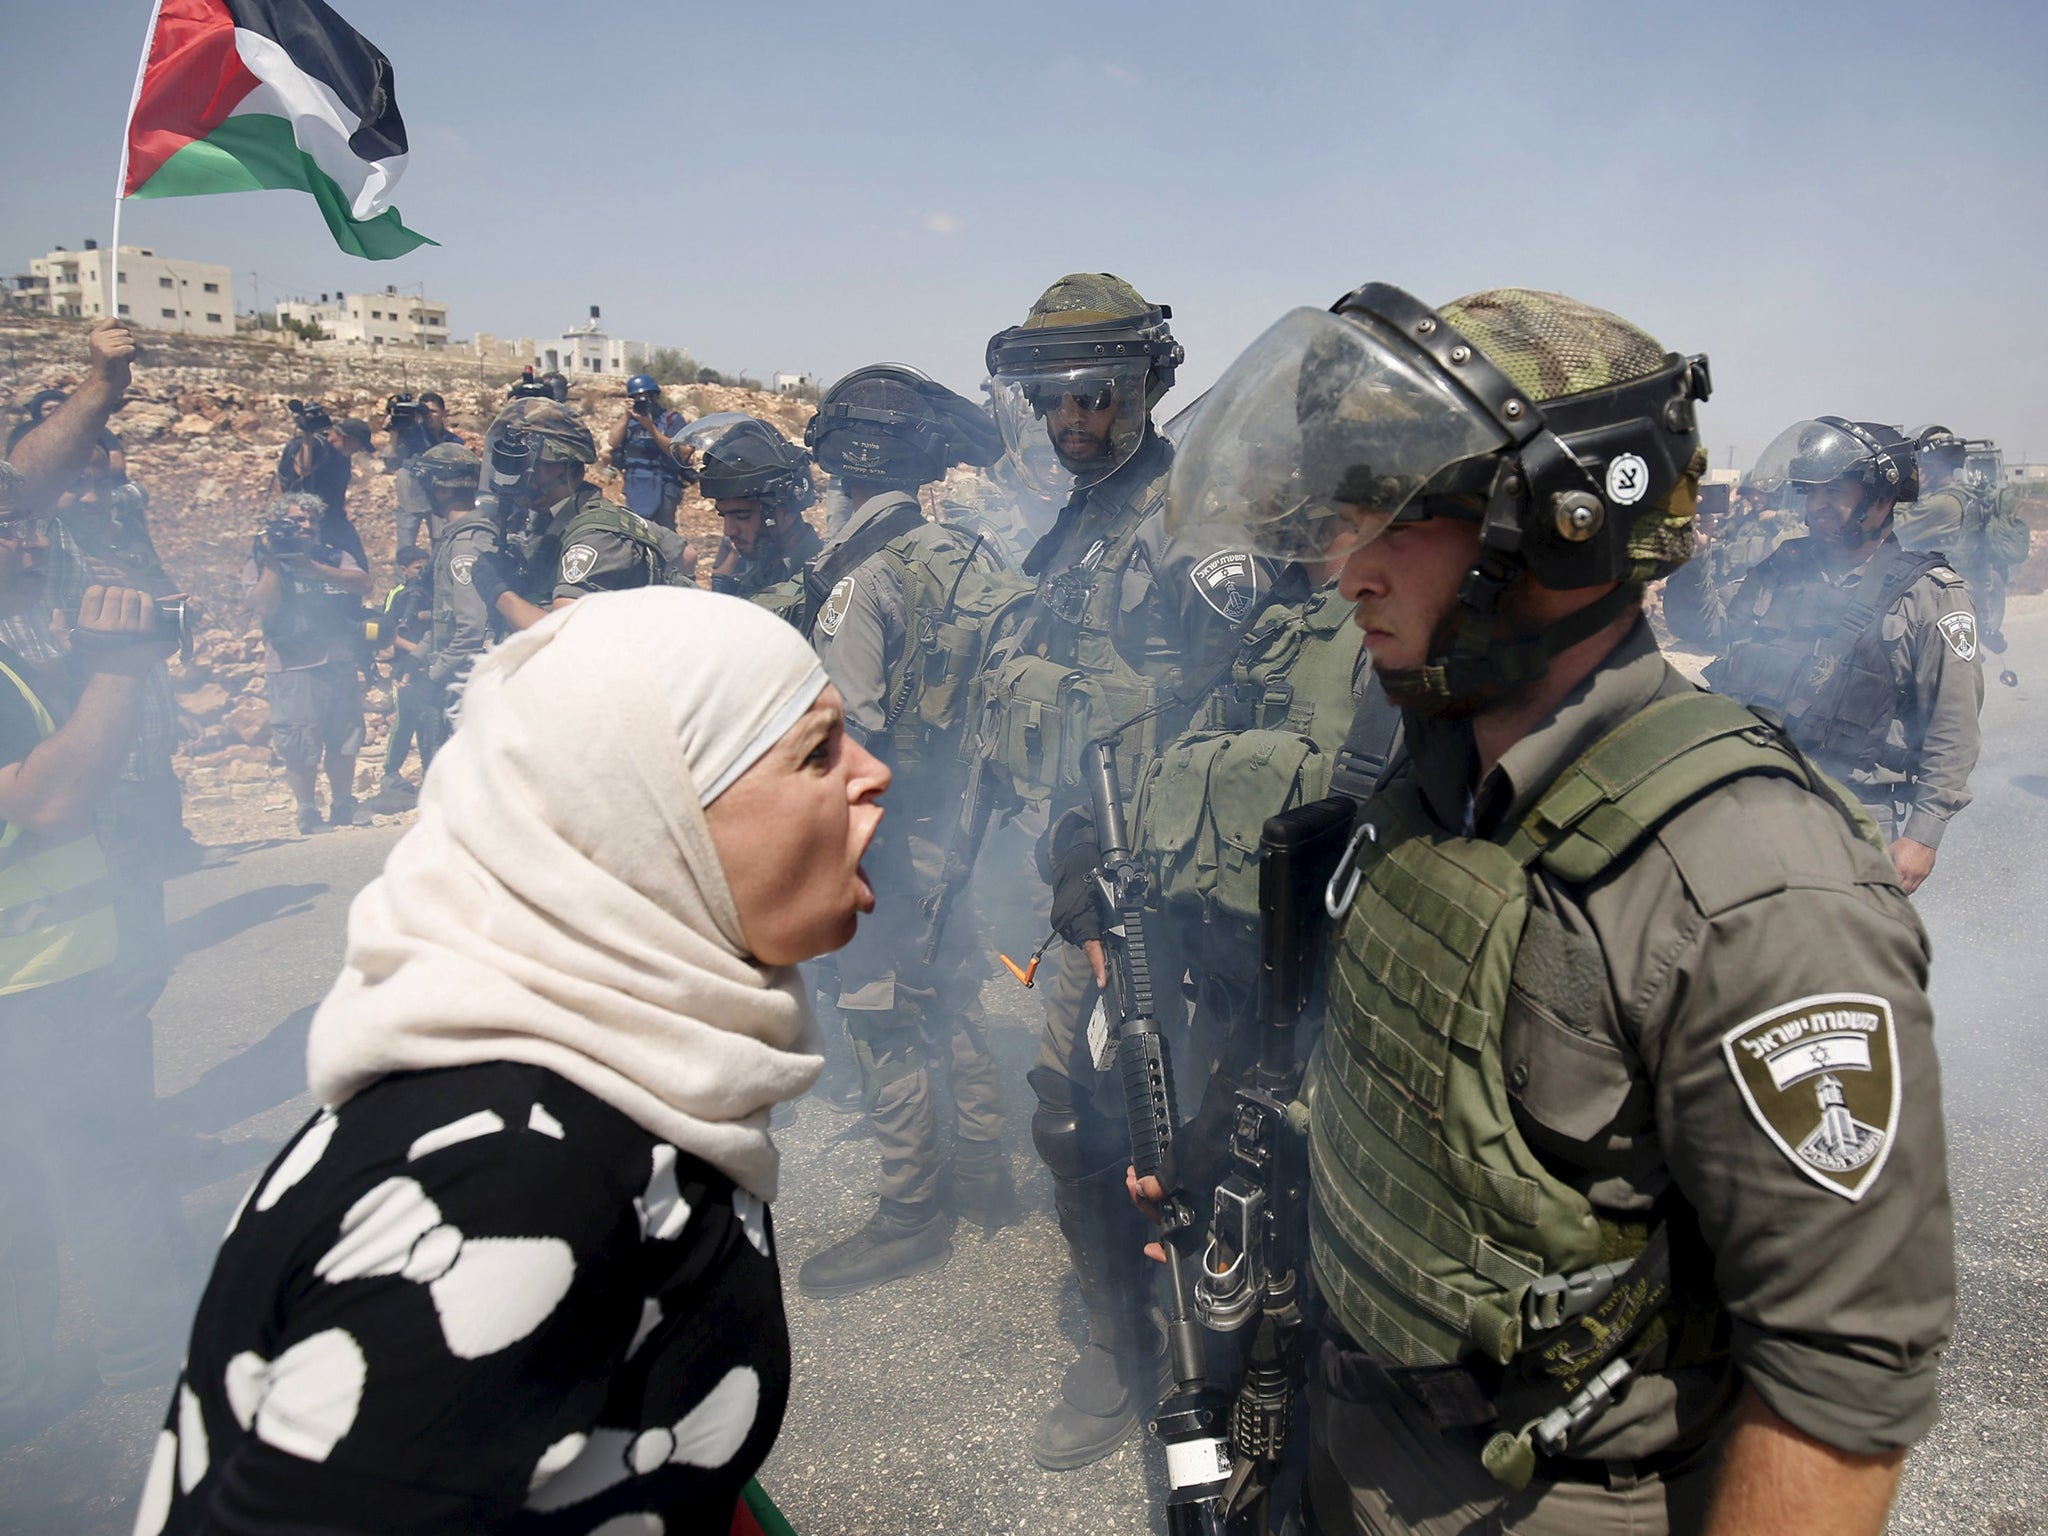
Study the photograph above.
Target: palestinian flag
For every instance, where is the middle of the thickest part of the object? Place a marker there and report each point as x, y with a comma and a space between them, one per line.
244, 95
756, 1515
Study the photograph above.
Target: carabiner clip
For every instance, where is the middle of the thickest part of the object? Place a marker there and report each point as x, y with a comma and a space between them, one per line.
1347, 872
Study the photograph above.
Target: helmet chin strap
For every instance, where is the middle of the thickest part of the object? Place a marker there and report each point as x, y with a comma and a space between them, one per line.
1486, 662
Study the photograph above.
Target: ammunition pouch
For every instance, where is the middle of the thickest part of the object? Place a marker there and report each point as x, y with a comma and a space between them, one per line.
1037, 716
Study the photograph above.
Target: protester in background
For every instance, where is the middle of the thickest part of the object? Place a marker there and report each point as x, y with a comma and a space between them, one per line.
643, 445
309, 596
319, 461
519, 1272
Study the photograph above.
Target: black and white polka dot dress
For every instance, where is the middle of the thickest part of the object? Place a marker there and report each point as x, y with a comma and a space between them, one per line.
480, 1300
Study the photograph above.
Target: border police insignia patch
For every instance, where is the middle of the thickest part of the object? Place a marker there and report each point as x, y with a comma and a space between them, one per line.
1229, 582
833, 614
577, 561
1960, 631
1821, 1076
460, 568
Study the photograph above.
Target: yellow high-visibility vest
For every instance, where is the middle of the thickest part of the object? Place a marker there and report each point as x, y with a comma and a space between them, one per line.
56, 899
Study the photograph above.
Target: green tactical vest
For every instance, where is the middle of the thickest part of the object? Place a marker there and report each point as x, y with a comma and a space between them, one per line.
1815, 653
1430, 1217
593, 511
1263, 742
56, 901
1062, 682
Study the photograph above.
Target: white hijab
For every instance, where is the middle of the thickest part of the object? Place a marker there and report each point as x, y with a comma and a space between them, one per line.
560, 901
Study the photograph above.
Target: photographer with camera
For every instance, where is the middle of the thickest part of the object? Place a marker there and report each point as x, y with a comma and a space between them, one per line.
318, 461
308, 593
416, 426
76, 1085
643, 444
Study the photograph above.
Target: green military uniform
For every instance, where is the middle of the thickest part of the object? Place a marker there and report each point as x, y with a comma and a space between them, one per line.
1735, 549
1984, 538
463, 623
599, 546
899, 1014
1876, 673
1626, 1100
1529, 1061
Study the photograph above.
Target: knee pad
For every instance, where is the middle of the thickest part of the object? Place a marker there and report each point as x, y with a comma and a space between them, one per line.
1073, 1140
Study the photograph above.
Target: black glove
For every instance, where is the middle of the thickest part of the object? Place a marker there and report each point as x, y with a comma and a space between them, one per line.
493, 573
1074, 858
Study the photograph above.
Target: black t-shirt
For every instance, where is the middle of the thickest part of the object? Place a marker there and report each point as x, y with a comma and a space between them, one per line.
478, 1300
327, 479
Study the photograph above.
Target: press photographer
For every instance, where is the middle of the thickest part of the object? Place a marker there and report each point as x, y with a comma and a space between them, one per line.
413, 426
643, 444
318, 461
308, 593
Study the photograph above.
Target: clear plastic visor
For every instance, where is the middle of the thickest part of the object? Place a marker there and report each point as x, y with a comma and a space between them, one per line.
1809, 453
706, 431
1070, 426
1317, 438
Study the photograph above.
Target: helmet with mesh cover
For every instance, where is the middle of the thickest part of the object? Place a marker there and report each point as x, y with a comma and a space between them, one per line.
557, 432
1567, 433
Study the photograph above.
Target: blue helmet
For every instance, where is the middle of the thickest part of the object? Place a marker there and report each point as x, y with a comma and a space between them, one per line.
642, 384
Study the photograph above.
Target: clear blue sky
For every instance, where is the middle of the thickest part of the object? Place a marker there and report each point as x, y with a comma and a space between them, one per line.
1844, 204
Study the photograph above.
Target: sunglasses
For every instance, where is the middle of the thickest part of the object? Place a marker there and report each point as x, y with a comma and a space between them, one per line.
1046, 398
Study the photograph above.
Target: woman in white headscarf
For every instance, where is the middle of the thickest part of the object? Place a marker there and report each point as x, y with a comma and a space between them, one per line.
518, 1273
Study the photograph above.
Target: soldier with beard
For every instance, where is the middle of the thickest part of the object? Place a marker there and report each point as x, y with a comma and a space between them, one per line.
1867, 650
1129, 625
1628, 1202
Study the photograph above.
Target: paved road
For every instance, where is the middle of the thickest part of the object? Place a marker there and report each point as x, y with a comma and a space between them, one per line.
913, 1402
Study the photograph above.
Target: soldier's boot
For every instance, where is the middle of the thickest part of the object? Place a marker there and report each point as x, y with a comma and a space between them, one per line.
900, 1239
982, 1186
1113, 1387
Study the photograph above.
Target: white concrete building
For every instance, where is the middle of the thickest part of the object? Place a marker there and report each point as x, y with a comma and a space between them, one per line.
386, 319
794, 384
162, 293
586, 349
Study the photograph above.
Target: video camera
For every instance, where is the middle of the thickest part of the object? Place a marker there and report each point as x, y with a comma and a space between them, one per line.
281, 539
309, 418
402, 414
529, 387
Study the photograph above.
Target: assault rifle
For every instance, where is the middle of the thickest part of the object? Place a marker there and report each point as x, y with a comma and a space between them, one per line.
1252, 1270
1190, 1422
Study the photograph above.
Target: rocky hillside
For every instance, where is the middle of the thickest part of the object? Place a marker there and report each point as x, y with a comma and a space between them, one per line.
203, 428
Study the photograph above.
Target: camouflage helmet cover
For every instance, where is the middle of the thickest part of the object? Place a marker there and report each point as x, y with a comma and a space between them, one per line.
448, 464
1086, 298
1555, 347
558, 432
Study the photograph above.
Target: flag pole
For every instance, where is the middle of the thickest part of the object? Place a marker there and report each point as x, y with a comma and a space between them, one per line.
121, 177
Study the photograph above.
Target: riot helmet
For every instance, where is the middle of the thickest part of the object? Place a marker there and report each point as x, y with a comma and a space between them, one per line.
1818, 452
890, 426
1566, 433
1073, 387
447, 464
741, 457
527, 433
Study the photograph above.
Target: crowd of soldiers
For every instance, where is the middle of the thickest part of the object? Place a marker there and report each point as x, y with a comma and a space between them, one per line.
1608, 1175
